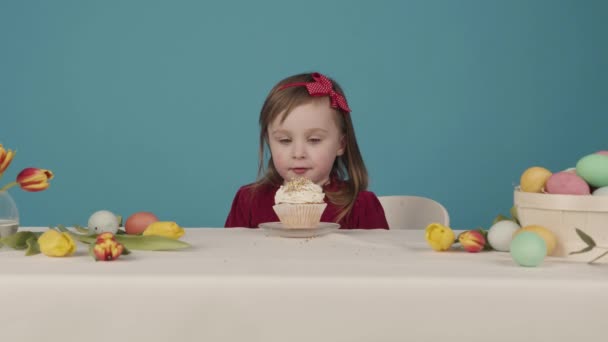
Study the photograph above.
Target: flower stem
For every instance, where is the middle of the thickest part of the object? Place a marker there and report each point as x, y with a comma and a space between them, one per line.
8, 186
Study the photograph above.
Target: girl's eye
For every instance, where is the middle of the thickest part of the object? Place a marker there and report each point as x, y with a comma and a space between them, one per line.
314, 140
284, 141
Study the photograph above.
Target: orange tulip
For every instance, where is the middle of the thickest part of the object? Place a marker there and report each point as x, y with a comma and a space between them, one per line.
5, 158
33, 179
107, 248
472, 241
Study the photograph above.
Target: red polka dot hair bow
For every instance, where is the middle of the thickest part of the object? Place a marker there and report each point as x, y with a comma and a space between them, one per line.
322, 86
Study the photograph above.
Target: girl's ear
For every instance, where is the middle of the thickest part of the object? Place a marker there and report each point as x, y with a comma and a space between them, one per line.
342, 146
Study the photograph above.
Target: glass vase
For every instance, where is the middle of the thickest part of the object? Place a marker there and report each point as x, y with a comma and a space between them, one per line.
9, 215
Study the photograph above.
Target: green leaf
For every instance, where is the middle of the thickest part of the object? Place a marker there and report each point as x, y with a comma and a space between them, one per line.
514, 214
150, 242
584, 250
594, 260
88, 239
32, 246
18, 240
119, 217
586, 238
79, 237
81, 229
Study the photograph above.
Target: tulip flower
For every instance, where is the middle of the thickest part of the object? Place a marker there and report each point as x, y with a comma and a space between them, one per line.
5, 158
30, 179
439, 237
107, 248
167, 229
55, 244
33, 179
472, 241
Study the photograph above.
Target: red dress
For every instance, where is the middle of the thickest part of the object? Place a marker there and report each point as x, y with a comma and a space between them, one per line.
250, 208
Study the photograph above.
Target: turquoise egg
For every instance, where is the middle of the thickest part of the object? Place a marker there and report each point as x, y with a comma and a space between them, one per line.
528, 249
594, 169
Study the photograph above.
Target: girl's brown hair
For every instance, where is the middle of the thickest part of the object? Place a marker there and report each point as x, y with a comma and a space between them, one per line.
349, 167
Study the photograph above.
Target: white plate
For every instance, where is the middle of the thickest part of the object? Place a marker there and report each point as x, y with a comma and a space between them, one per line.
277, 229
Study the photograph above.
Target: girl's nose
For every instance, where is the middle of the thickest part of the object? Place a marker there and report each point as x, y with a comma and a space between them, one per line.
299, 151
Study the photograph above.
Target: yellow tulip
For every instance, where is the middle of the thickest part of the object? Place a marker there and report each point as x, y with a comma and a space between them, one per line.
165, 228
55, 244
439, 237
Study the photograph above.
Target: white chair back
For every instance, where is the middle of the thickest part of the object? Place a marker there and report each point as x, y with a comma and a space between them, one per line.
413, 212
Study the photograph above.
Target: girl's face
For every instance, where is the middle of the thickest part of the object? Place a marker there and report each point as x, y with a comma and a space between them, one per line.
307, 143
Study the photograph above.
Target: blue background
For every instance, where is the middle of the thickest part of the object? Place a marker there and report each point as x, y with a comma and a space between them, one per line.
153, 105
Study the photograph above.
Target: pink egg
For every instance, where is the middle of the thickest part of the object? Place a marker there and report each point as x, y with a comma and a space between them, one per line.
602, 152
138, 222
567, 183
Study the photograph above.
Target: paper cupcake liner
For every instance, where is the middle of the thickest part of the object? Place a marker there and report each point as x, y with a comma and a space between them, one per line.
300, 215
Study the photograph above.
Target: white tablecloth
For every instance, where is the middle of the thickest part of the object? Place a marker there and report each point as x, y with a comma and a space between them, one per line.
241, 285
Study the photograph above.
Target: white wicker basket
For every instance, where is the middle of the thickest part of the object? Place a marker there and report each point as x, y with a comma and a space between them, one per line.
562, 214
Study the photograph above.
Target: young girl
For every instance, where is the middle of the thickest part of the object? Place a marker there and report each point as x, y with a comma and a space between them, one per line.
306, 124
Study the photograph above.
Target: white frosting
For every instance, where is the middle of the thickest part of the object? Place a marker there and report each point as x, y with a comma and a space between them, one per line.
299, 191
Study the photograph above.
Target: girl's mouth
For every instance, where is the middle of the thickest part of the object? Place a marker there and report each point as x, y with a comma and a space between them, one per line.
299, 170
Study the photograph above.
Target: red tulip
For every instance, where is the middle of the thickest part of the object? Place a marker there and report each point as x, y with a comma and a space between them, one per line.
472, 241
33, 179
5, 158
107, 248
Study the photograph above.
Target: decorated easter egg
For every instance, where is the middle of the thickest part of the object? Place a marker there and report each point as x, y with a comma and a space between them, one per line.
594, 169
567, 183
603, 191
528, 249
103, 221
602, 152
534, 179
545, 233
501, 234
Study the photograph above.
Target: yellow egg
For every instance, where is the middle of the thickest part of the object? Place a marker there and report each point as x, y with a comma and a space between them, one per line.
534, 179
546, 234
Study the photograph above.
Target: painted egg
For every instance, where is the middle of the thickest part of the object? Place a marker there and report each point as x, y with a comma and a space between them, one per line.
545, 233
501, 234
138, 222
594, 169
603, 191
602, 152
103, 221
533, 179
567, 183
528, 249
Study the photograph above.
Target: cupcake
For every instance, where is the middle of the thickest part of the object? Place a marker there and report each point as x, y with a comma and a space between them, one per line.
299, 203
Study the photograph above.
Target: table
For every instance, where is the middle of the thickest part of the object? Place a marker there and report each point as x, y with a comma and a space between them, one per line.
354, 285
